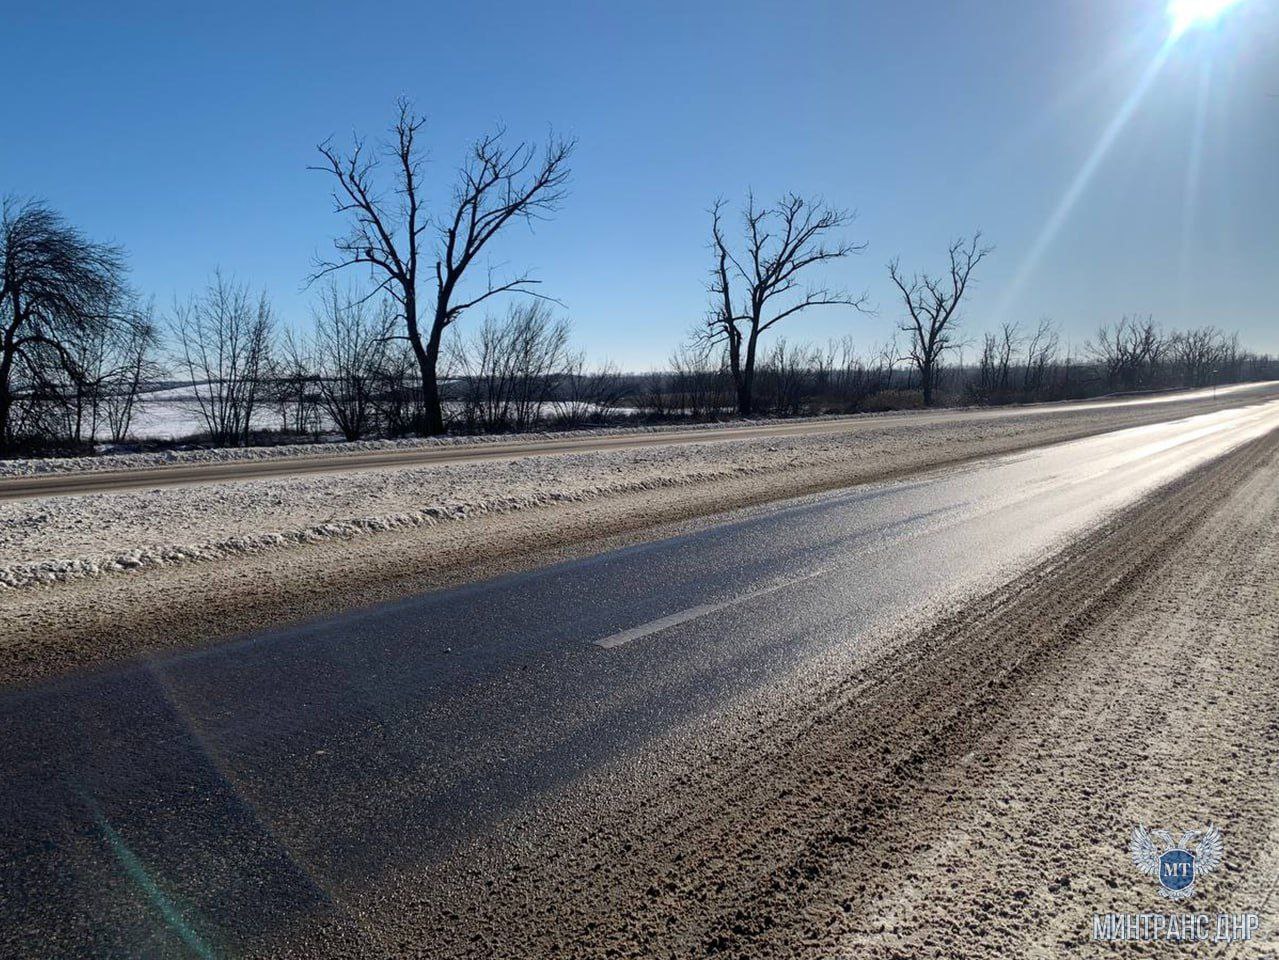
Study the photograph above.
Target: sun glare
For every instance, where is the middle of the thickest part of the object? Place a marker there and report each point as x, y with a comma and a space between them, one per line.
1186, 14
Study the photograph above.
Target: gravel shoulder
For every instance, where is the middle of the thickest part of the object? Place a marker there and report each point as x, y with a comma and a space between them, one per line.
94, 578
970, 793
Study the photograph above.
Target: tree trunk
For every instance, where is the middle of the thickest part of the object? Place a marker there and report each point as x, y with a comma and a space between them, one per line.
6, 409
6, 377
746, 386
428, 356
428, 361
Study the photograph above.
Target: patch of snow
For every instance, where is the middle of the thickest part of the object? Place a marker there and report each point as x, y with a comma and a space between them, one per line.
58, 539
136, 461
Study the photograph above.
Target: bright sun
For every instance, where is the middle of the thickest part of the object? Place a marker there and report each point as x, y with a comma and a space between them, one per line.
1191, 13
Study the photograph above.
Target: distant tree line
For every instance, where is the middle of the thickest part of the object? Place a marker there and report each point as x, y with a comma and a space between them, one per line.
385, 355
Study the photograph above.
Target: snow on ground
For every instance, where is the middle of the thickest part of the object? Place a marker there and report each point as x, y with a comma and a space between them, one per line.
52, 539
174, 417
55, 539
175, 408
175, 414
137, 461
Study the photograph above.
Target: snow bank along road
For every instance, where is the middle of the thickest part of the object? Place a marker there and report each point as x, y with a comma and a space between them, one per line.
130, 472
910, 719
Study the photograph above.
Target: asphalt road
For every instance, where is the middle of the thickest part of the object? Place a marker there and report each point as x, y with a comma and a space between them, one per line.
194, 804
107, 480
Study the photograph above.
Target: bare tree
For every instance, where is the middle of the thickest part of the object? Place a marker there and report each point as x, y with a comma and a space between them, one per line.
780, 243
351, 342
513, 368
111, 361
697, 384
54, 283
1130, 352
497, 184
589, 393
292, 384
1204, 354
789, 377
224, 341
137, 365
887, 356
994, 365
932, 305
1041, 356
853, 379
398, 400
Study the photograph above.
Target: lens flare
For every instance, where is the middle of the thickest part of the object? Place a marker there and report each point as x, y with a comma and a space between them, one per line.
1077, 187
1186, 14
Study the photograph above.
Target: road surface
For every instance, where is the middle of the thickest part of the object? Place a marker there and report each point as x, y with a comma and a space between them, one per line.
108, 480
211, 803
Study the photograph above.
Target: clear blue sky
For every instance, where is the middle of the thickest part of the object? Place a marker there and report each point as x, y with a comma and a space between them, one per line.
184, 133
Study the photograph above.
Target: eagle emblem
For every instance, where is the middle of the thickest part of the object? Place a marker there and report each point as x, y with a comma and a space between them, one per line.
1178, 863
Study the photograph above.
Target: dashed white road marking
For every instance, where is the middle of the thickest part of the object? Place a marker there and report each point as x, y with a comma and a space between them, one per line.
692, 613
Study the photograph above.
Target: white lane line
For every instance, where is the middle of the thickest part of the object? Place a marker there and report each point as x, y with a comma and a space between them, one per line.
692, 613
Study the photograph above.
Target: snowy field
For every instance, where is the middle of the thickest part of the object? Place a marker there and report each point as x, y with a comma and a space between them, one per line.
174, 414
